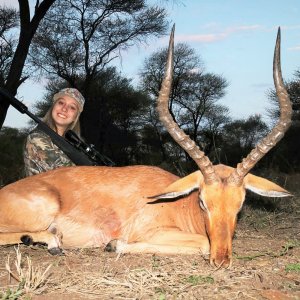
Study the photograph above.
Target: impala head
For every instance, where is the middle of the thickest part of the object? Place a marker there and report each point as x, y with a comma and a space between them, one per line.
221, 188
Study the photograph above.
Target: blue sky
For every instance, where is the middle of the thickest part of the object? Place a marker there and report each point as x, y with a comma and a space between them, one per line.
234, 38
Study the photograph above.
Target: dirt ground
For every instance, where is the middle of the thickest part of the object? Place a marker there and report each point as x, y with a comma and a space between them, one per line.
266, 265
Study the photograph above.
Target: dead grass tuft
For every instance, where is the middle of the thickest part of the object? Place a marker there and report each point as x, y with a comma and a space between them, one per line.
30, 279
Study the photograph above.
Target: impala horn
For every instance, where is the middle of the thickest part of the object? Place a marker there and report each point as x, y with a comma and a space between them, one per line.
278, 131
177, 134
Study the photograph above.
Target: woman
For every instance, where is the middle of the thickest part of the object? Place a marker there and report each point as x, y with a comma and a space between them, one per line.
40, 154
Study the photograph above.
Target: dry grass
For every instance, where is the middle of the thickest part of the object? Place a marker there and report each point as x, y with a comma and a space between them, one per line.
92, 274
30, 279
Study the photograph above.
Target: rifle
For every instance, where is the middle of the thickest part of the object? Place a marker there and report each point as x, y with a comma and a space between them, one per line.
88, 149
78, 151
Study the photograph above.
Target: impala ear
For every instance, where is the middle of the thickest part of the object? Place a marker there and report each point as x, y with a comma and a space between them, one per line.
264, 187
181, 187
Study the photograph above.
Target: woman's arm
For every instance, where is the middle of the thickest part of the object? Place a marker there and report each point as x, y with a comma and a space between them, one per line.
41, 155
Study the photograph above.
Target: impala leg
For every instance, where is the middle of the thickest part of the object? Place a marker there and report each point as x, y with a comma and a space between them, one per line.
28, 214
52, 237
168, 242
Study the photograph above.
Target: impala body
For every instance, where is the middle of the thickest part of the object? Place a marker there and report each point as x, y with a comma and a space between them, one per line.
142, 209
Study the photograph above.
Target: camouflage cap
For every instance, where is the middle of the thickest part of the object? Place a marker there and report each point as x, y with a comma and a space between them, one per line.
71, 92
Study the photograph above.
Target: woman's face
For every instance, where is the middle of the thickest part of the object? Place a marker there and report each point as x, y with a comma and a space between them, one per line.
65, 111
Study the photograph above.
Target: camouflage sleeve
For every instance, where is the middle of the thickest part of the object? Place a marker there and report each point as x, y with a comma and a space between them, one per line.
41, 155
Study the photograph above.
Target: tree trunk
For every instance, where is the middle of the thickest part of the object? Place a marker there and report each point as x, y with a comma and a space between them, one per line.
27, 31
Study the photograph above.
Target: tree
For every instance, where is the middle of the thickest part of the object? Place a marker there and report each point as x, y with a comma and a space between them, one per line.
15, 61
194, 95
8, 21
286, 156
212, 134
12, 165
240, 137
293, 88
80, 38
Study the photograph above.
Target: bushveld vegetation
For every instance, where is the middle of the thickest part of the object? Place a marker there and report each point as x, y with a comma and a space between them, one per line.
121, 121
119, 118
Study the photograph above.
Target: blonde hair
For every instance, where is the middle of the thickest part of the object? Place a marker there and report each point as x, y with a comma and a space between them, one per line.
75, 125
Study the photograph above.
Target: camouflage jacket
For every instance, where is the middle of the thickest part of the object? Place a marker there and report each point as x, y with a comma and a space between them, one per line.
41, 155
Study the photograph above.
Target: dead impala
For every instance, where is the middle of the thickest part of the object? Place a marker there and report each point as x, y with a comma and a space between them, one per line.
92, 206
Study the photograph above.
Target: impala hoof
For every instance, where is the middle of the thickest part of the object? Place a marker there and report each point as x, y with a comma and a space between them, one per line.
55, 251
111, 246
27, 240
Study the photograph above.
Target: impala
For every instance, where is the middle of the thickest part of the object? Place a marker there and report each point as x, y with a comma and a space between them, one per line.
143, 209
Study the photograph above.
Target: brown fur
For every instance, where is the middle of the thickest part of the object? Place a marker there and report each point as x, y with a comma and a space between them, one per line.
90, 206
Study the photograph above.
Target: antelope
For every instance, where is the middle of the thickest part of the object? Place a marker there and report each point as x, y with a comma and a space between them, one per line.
143, 209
